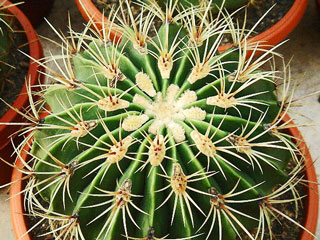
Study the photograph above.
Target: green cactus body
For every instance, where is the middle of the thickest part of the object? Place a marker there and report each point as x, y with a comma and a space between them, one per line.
159, 138
228, 4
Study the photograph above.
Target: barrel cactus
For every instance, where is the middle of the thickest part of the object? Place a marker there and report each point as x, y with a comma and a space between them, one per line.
161, 137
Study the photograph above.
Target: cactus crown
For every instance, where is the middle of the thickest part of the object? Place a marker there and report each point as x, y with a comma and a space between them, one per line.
161, 137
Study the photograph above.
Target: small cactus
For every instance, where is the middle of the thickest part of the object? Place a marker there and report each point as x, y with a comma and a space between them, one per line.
161, 137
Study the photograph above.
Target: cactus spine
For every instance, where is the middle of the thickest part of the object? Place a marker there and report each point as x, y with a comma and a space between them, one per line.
161, 137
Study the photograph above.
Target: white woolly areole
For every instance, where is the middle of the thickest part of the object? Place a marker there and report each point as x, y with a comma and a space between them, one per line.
179, 180
111, 103
155, 126
159, 97
187, 98
157, 151
166, 111
196, 39
198, 72
194, 113
145, 84
203, 143
165, 65
178, 133
222, 100
242, 145
239, 78
172, 92
133, 122
113, 73
119, 150
142, 49
83, 128
142, 101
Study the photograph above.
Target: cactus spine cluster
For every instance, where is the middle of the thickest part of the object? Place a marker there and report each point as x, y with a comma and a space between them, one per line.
161, 137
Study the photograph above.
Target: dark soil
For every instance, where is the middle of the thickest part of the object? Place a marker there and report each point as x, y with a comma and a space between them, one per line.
285, 229
282, 228
256, 12
13, 81
106, 5
41, 231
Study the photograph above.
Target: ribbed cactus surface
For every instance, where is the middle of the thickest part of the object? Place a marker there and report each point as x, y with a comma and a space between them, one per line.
159, 137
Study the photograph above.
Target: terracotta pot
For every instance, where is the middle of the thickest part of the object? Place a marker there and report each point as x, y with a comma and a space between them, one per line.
271, 36
89, 11
35, 10
35, 51
310, 210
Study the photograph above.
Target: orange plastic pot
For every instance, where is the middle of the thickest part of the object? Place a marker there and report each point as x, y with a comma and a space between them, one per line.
310, 211
89, 11
35, 51
271, 36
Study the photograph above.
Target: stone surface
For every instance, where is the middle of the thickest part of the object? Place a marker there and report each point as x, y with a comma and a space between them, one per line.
304, 47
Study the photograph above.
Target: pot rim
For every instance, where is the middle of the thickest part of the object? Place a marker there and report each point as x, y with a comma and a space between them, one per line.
36, 52
310, 211
272, 36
